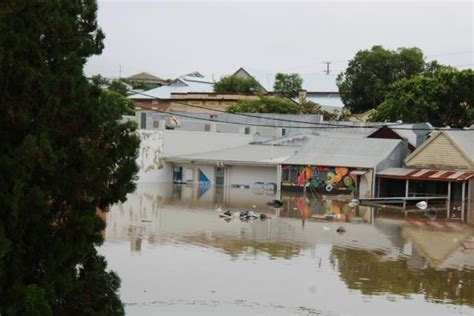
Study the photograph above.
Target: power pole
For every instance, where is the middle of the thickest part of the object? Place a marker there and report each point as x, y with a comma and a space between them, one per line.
327, 67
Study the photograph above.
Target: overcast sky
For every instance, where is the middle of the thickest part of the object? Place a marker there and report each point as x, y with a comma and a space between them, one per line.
169, 39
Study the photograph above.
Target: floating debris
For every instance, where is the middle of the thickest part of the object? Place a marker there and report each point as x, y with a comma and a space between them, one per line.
422, 205
341, 229
275, 203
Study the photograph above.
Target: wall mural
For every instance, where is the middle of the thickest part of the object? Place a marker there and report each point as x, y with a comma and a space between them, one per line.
323, 178
204, 183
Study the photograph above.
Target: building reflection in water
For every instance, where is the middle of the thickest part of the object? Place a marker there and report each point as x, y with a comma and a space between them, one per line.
375, 256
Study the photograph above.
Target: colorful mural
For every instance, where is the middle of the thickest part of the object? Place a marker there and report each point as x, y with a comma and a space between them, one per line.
323, 178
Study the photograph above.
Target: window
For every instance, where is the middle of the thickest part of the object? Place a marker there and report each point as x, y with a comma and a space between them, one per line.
207, 127
247, 130
143, 120
156, 124
283, 131
220, 175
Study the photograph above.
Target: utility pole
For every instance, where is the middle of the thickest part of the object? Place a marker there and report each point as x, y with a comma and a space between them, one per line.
120, 71
327, 67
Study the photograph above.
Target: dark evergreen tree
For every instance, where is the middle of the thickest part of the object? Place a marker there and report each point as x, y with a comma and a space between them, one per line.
63, 155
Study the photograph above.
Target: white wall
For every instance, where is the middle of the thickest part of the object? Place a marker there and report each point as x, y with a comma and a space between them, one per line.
249, 175
155, 144
238, 175
150, 157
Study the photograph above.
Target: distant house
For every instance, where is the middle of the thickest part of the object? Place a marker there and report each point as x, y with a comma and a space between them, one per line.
443, 165
145, 77
415, 134
187, 94
317, 88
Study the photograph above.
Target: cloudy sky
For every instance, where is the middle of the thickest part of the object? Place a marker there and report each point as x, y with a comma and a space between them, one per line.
169, 39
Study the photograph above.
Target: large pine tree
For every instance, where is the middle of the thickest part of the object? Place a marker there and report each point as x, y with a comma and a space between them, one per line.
63, 154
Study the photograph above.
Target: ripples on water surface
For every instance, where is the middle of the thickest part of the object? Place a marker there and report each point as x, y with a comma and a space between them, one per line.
176, 256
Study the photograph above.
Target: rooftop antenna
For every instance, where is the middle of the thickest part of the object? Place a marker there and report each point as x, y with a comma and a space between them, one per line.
327, 67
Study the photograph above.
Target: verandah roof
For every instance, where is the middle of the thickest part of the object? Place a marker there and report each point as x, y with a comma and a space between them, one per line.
425, 174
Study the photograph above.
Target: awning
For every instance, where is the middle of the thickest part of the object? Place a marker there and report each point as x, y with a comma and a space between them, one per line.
425, 174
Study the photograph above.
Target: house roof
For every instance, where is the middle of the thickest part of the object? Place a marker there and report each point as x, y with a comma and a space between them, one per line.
344, 151
465, 141
144, 76
241, 155
181, 85
462, 140
311, 82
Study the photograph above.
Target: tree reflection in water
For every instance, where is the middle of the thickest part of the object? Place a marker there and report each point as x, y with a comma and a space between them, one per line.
363, 270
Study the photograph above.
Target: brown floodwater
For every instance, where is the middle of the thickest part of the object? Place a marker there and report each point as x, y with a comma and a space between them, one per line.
175, 255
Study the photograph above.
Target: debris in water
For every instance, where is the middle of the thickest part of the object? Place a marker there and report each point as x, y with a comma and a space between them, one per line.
341, 229
422, 205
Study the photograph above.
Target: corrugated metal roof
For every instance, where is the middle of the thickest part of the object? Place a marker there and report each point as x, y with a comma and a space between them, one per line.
344, 151
425, 174
241, 155
144, 76
464, 139
191, 84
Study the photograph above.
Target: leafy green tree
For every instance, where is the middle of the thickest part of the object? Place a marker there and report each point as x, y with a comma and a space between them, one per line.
119, 86
370, 73
445, 98
287, 85
98, 80
63, 155
266, 105
234, 84
118, 101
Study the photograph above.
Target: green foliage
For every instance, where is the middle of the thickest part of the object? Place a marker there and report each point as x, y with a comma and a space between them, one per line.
119, 86
287, 85
234, 84
125, 105
266, 105
370, 73
142, 85
99, 81
63, 153
444, 98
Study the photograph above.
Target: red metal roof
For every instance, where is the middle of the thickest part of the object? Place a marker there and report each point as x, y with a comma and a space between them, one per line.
425, 174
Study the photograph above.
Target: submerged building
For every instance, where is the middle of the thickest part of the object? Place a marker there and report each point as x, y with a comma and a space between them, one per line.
441, 166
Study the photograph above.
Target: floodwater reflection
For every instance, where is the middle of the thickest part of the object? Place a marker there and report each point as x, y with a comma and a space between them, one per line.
169, 245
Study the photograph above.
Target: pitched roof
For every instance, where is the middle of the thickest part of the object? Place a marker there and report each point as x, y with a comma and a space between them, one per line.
144, 76
461, 142
182, 84
465, 141
344, 151
241, 155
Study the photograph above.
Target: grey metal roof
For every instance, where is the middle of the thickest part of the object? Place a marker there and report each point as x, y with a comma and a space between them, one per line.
344, 151
188, 84
144, 76
464, 139
241, 155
